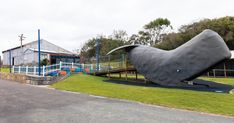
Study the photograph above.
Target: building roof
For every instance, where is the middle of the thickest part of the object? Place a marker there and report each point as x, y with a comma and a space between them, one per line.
32, 43
48, 51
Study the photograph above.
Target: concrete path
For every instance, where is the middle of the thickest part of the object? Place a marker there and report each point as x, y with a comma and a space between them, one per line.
27, 104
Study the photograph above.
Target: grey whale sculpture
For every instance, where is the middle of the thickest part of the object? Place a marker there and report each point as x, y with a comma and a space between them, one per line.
185, 63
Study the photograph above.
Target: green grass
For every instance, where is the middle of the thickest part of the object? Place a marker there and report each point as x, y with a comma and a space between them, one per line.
5, 70
218, 103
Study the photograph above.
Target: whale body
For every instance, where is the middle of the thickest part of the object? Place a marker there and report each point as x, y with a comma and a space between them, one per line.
183, 64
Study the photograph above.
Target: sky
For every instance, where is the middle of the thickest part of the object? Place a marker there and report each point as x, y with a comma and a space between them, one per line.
69, 23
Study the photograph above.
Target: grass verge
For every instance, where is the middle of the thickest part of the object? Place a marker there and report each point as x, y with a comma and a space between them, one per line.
5, 70
218, 103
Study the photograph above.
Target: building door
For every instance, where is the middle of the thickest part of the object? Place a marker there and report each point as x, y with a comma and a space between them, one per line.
53, 61
13, 61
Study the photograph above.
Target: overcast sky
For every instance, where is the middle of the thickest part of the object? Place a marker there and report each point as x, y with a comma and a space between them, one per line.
68, 23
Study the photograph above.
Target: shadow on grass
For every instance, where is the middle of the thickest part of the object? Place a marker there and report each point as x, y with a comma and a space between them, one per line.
199, 85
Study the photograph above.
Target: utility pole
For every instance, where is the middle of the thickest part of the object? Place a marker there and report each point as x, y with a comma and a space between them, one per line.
39, 52
21, 45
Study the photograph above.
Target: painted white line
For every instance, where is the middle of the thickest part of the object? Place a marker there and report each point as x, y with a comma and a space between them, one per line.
98, 96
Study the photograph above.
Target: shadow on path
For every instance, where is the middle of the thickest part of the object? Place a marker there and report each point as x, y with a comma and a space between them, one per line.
199, 85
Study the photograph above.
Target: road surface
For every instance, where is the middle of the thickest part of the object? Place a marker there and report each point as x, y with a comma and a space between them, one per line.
21, 103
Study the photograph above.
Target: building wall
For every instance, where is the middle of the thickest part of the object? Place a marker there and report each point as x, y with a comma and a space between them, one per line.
19, 57
16, 55
29, 57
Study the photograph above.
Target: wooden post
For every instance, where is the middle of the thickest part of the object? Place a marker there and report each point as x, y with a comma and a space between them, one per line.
214, 72
126, 67
119, 74
145, 80
126, 75
224, 70
136, 75
109, 66
208, 74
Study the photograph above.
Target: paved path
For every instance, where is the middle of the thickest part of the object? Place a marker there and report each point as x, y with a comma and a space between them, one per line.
27, 104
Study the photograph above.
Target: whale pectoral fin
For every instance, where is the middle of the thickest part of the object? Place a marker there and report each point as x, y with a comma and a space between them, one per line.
125, 47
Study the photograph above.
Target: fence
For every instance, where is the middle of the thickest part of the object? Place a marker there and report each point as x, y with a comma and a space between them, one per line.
221, 73
117, 61
34, 70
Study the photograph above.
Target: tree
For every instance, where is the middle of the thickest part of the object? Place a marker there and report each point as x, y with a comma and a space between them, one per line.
155, 29
88, 50
118, 38
45, 62
223, 26
120, 35
152, 33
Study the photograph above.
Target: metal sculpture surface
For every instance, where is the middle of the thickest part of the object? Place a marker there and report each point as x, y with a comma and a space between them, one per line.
181, 65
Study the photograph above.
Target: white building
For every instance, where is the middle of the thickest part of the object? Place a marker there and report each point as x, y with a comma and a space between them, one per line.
232, 54
28, 54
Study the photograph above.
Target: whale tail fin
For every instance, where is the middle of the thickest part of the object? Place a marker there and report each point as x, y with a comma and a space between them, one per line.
125, 47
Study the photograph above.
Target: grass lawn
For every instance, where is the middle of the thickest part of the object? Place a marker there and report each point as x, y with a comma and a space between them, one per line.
5, 70
218, 103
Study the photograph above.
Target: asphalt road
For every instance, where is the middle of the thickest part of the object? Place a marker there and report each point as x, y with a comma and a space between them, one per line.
28, 104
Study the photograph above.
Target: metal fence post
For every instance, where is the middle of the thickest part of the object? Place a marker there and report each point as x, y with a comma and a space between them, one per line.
83, 66
60, 65
13, 69
19, 68
43, 70
26, 70
91, 67
35, 70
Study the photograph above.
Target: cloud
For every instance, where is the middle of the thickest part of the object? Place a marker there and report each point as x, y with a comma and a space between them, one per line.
69, 23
